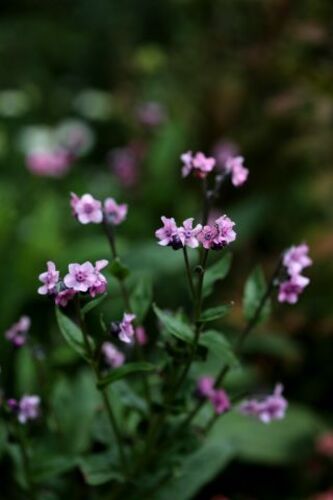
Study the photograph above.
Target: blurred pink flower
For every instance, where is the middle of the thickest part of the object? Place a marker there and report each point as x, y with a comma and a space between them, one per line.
290, 290
17, 333
49, 163
115, 213
49, 279
113, 357
86, 209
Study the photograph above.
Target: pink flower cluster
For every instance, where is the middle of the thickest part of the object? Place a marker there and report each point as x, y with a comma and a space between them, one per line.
27, 408
212, 236
85, 278
112, 356
272, 407
88, 210
229, 162
218, 397
199, 164
294, 260
17, 333
124, 329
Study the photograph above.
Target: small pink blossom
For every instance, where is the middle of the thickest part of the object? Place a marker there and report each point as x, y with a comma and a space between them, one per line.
27, 408
49, 163
86, 209
273, 407
17, 333
49, 279
100, 284
64, 296
126, 329
296, 259
80, 277
168, 234
239, 174
113, 357
188, 234
220, 401
217, 235
224, 150
290, 290
205, 386
115, 213
200, 164
140, 335
208, 236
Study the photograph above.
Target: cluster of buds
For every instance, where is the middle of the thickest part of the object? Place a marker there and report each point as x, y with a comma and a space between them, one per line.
294, 261
212, 236
218, 397
272, 407
81, 278
88, 210
17, 333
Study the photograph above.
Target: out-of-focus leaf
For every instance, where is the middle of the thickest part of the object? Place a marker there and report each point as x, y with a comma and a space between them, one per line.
141, 298
118, 269
47, 467
100, 468
214, 313
175, 326
272, 344
3, 438
196, 471
216, 272
71, 333
218, 345
93, 303
123, 371
26, 373
280, 442
255, 288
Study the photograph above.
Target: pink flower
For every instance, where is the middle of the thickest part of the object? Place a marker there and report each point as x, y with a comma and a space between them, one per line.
217, 235
296, 259
100, 284
140, 335
86, 209
113, 357
220, 401
49, 163
235, 167
49, 279
115, 214
324, 444
205, 386
126, 329
17, 333
125, 164
200, 164
80, 277
188, 234
168, 234
273, 407
64, 296
28, 408
291, 289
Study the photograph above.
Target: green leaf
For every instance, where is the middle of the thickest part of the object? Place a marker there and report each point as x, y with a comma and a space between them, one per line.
217, 271
197, 470
47, 467
175, 326
71, 333
118, 270
218, 345
124, 371
214, 313
141, 298
93, 303
255, 288
280, 442
273, 344
3, 438
99, 469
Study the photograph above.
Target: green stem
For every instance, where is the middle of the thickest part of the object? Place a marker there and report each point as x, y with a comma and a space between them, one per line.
26, 461
188, 272
95, 368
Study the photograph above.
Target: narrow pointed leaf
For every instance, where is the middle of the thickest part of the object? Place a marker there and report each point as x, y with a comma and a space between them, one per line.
174, 326
71, 333
124, 371
93, 303
254, 290
214, 313
217, 344
216, 272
